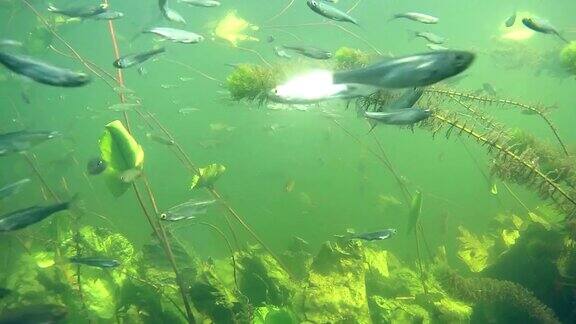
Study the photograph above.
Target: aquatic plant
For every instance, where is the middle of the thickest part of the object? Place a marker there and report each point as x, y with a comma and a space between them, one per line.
492, 291
207, 176
474, 251
346, 58
250, 81
568, 57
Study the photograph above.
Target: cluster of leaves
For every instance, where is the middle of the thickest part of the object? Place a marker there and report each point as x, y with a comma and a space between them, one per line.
568, 57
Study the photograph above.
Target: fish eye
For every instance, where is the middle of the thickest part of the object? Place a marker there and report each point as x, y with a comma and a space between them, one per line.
163, 216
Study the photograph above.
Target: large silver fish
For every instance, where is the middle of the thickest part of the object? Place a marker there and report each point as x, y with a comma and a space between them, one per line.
410, 71
24, 217
326, 10
79, 12
21, 141
43, 72
176, 35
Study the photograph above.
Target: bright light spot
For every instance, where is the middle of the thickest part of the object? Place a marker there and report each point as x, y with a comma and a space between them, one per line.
313, 86
232, 27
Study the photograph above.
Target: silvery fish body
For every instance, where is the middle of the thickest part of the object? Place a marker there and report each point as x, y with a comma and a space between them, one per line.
375, 236
407, 116
431, 37
419, 17
79, 12
542, 26
173, 15
134, 59
409, 71
511, 20
407, 100
330, 12
21, 141
28, 216
311, 52
187, 210
109, 15
201, 3
43, 72
176, 35
95, 262
13, 188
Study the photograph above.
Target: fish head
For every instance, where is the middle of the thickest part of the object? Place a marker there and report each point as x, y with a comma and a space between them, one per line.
461, 60
53, 134
163, 216
313, 4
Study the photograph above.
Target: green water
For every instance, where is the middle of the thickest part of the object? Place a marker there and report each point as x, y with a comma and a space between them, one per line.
335, 182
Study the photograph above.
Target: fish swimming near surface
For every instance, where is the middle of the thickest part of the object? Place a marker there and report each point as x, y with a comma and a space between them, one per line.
542, 26
187, 210
416, 16
79, 12
311, 52
43, 72
34, 314
371, 236
13, 188
176, 35
326, 10
134, 59
25, 217
510, 20
21, 141
410, 71
431, 37
96, 166
95, 262
407, 116
201, 3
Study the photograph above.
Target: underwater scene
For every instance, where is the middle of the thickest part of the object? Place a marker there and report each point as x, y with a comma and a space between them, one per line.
287, 161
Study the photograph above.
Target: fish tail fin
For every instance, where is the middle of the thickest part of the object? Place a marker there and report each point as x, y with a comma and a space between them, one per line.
74, 205
562, 38
393, 17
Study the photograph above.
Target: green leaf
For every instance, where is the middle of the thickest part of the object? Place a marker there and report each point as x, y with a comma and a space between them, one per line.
207, 176
121, 153
415, 211
474, 250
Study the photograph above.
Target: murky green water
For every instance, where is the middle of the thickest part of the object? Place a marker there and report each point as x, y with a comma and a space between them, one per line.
311, 173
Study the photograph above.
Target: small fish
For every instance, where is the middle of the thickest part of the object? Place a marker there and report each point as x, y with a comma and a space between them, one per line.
489, 89
173, 15
201, 3
160, 139
436, 47
24, 217
416, 16
133, 59
289, 186
281, 53
109, 15
410, 71
270, 39
311, 52
43, 72
79, 12
123, 106
406, 116
124, 90
21, 141
32, 314
510, 20
130, 175
373, 236
407, 100
431, 37
25, 97
96, 166
330, 12
186, 111
185, 79
218, 127
142, 71
187, 210
542, 26
387, 201
176, 35
95, 262
13, 188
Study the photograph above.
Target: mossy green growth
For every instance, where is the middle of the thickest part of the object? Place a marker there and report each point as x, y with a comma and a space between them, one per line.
251, 81
568, 57
347, 58
207, 176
